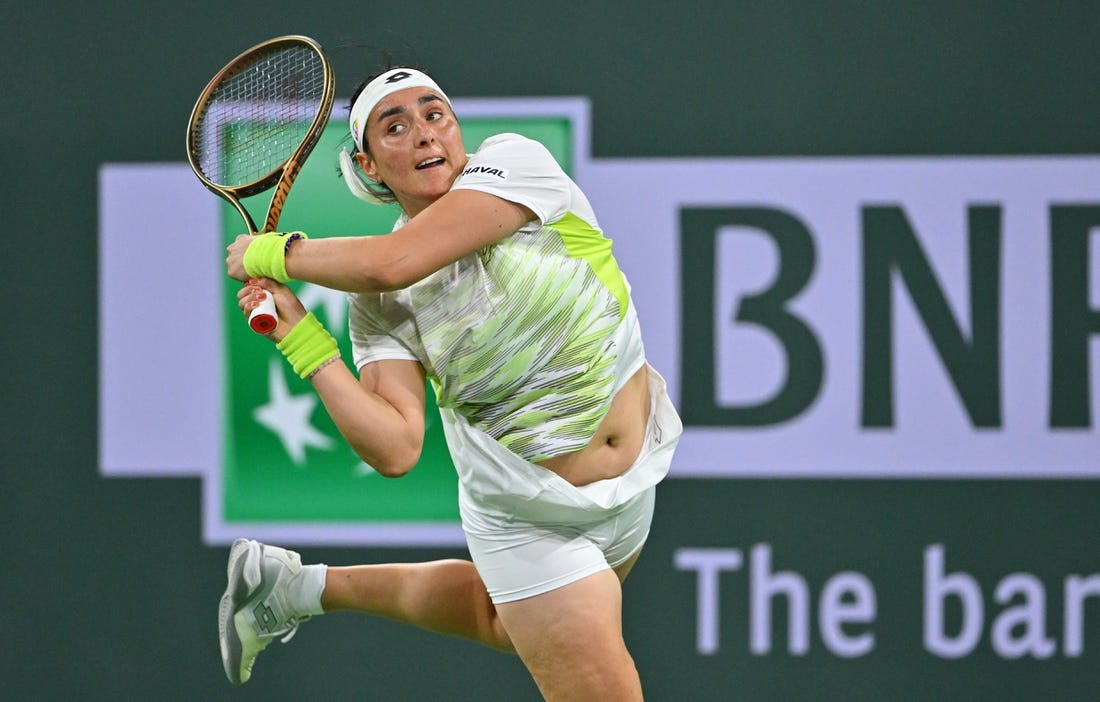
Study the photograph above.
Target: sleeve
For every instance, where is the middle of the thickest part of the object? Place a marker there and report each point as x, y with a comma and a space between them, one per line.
519, 170
369, 339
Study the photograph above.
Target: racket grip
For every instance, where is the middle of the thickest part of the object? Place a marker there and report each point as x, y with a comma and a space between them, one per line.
265, 317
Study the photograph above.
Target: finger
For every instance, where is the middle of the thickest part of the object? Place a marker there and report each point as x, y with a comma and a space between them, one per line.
246, 290
249, 297
269, 284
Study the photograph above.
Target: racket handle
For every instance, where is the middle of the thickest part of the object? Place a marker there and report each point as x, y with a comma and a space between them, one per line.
264, 318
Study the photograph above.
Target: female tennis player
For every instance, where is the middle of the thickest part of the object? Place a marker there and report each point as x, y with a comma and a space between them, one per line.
498, 286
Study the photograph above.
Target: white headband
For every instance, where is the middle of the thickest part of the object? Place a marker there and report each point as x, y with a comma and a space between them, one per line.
389, 82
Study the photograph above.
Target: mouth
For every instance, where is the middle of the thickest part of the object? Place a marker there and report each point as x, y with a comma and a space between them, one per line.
430, 163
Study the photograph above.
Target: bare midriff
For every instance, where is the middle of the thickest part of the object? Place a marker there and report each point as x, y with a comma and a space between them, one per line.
617, 442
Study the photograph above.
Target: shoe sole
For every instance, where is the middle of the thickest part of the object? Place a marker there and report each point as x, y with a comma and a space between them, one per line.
236, 594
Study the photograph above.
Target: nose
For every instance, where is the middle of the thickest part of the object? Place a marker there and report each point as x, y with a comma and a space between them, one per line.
424, 133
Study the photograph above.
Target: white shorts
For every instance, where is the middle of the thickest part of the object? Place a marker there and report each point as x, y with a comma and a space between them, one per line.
517, 561
543, 532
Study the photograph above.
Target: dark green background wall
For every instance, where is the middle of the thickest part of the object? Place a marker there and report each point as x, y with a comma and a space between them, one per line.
108, 591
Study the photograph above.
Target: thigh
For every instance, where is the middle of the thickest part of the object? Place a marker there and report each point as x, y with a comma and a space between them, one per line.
517, 560
521, 561
571, 640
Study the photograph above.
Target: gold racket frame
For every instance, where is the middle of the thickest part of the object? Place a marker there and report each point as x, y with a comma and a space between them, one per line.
288, 171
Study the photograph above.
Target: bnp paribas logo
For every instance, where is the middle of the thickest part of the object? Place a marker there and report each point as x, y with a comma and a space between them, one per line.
186, 389
818, 318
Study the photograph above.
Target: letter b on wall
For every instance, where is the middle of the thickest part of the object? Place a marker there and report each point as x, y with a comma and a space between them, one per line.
766, 310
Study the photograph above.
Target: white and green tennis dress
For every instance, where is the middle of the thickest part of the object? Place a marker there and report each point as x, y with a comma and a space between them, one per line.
525, 342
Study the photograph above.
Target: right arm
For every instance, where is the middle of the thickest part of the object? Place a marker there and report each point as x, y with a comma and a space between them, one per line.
380, 414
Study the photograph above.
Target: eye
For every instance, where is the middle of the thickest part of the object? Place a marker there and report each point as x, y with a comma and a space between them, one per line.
435, 115
395, 128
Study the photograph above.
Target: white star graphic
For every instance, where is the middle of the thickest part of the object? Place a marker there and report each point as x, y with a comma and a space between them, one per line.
288, 416
334, 302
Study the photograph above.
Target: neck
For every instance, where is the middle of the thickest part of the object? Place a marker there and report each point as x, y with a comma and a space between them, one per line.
413, 206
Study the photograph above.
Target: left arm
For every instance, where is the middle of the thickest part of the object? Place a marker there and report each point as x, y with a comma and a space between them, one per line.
456, 225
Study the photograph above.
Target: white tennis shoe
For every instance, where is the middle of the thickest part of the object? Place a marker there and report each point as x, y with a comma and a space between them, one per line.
254, 609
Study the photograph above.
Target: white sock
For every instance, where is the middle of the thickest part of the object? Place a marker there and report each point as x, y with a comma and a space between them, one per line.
304, 591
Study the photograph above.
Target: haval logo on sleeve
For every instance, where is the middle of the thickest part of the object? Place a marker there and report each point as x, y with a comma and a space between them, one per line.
487, 170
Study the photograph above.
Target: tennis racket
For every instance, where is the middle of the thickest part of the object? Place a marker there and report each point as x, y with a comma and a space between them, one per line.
253, 127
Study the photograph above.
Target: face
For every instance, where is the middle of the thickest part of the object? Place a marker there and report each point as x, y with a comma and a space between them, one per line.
415, 147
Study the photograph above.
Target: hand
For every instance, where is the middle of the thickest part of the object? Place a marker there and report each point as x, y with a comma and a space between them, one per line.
234, 260
290, 308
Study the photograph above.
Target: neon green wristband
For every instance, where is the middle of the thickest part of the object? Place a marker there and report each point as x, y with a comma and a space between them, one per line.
309, 346
265, 257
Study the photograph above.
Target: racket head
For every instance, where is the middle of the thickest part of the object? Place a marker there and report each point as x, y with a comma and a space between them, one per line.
258, 118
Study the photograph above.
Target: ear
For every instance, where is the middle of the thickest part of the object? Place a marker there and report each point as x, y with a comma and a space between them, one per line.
367, 164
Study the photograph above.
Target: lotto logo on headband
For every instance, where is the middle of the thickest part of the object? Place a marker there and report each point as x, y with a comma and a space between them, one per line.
400, 75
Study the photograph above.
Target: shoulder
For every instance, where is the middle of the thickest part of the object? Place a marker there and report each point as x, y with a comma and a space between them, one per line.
520, 170
512, 151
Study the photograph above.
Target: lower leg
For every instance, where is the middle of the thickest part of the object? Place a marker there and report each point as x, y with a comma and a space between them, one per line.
446, 596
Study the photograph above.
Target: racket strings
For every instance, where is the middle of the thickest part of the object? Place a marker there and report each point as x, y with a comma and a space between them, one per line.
257, 116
